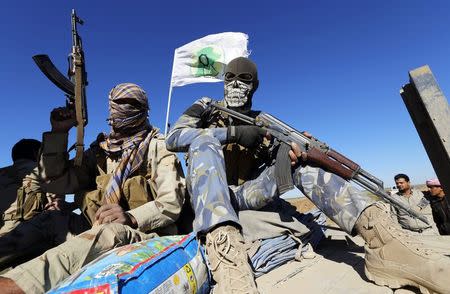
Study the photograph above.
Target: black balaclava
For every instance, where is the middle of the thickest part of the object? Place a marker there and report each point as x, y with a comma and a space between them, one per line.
241, 81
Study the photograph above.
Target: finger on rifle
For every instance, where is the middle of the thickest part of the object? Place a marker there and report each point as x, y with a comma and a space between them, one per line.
294, 159
307, 134
61, 113
72, 114
296, 149
55, 114
304, 156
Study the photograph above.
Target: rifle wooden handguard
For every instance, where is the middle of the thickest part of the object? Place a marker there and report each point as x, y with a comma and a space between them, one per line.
322, 160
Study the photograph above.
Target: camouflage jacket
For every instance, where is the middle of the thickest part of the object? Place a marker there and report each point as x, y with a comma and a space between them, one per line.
241, 163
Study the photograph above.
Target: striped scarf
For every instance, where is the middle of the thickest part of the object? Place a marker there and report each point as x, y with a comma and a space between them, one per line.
130, 161
130, 135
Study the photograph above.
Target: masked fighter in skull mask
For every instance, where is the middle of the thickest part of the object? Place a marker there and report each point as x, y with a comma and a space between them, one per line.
225, 175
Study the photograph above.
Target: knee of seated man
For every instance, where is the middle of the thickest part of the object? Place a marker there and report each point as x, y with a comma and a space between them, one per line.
119, 231
114, 231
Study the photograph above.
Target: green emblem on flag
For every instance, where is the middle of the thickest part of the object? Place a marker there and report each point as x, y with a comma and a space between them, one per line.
207, 62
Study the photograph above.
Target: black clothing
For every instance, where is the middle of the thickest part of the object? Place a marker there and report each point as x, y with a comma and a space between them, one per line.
441, 214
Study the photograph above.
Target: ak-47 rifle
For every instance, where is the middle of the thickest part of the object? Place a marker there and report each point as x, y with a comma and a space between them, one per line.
318, 153
74, 87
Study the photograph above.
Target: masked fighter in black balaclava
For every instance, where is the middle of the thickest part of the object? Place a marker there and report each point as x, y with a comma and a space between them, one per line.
229, 169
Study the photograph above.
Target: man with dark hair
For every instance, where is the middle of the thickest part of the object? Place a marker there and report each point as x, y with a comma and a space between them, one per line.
26, 149
19, 201
440, 206
414, 199
230, 169
401, 176
24, 156
135, 187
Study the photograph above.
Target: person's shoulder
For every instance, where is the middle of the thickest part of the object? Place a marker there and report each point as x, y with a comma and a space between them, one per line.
205, 100
158, 142
200, 108
418, 193
447, 199
159, 137
158, 154
254, 113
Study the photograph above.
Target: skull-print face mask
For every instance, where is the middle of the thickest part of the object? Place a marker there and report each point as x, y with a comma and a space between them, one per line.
241, 81
237, 93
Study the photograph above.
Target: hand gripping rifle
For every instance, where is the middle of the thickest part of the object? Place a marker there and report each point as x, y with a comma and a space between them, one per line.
319, 154
74, 87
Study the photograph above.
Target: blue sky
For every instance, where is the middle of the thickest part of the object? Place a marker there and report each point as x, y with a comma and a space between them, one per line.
333, 68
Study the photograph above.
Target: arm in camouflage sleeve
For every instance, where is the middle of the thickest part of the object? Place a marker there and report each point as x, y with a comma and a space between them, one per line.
167, 178
58, 172
190, 126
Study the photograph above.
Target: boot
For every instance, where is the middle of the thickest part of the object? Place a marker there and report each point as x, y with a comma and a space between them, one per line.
228, 261
395, 258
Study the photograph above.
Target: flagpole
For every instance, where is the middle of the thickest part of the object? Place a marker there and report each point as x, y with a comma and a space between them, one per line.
170, 96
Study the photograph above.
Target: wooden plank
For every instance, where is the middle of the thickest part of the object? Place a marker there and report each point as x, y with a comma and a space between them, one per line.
430, 114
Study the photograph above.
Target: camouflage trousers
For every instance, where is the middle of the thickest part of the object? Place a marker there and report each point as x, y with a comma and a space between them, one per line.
214, 204
213, 200
46, 271
336, 197
31, 238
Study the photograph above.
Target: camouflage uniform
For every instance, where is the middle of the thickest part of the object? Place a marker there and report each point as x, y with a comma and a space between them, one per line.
163, 173
202, 132
336, 197
393, 257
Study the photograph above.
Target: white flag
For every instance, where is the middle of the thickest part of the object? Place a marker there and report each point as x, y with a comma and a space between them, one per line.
204, 60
